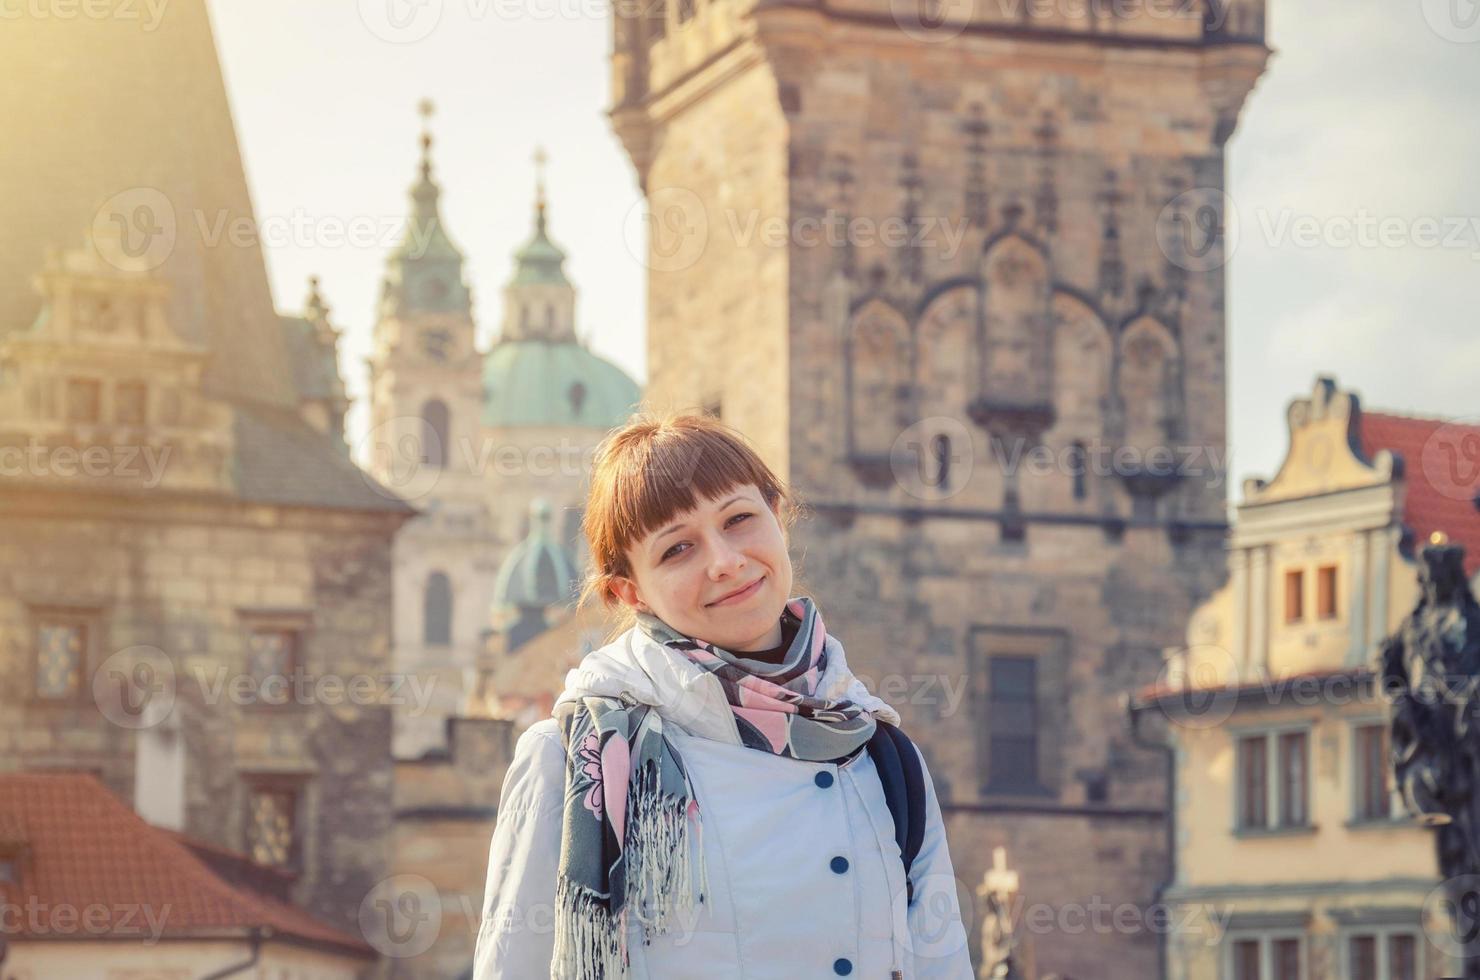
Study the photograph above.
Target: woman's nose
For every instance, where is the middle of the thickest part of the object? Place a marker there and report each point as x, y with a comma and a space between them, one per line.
723, 557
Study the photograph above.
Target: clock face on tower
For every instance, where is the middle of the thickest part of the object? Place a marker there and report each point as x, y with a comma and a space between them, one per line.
436, 344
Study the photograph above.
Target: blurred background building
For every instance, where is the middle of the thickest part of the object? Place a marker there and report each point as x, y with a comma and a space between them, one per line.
191, 549
1287, 823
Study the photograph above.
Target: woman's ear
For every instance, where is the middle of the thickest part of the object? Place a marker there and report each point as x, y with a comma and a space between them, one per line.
626, 591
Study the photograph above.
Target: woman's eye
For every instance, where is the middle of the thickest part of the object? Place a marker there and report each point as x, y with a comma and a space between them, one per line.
673, 550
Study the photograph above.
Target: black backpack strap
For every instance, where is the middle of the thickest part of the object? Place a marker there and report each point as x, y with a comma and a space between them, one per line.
898, 764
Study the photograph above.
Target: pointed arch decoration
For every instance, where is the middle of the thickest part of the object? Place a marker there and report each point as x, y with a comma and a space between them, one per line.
1083, 352
1015, 398
876, 365
1148, 405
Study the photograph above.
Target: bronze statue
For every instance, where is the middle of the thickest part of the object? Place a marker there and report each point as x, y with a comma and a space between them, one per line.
998, 888
1429, 670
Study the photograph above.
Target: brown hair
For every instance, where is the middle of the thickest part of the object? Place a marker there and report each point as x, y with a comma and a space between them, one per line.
653, 468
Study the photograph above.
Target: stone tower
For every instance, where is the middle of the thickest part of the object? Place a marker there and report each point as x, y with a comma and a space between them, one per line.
424, 368
958, 271
426, 397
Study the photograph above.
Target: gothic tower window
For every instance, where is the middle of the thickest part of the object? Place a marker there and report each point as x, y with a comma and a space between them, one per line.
1078, 463
437, 611
435, 425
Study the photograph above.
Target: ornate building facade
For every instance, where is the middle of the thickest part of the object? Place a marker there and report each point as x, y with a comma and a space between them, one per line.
961, 281
185, 547
1295, 858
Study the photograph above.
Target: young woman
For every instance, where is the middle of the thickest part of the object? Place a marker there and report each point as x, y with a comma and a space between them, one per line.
700, 805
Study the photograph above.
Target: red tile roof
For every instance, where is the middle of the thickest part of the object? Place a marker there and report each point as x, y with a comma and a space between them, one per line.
1441, 465
84, 855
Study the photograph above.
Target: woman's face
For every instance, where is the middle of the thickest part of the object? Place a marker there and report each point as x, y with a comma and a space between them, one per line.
683, 570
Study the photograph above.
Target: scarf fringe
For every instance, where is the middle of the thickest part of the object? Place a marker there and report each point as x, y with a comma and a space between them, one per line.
592, 945
659, 870
588, 942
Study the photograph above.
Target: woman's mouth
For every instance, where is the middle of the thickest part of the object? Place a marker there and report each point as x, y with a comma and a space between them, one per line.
742, 595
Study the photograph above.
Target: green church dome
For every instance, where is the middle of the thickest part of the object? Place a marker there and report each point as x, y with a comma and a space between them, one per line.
539, 382
537, 573
539, 372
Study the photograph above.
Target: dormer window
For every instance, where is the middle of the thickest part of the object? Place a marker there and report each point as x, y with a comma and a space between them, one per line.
83, 399
130, 403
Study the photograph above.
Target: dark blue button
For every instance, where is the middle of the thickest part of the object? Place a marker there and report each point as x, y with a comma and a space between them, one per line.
839, 864
842, 967
823, 779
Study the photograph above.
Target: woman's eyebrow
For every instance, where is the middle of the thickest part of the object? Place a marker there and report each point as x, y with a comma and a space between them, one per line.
680, 526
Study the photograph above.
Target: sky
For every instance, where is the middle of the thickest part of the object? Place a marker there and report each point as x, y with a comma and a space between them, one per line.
1352, 179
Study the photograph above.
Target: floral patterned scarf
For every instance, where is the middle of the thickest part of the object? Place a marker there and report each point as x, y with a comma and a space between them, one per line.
629, 804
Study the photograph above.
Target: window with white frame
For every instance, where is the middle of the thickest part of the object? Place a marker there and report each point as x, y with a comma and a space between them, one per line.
1266, 956
1273, 788
1382, 953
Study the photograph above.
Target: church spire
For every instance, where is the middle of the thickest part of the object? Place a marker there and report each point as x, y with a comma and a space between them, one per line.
424, 274
539, 261
539, 189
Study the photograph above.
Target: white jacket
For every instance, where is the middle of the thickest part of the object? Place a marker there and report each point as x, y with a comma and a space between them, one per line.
805, 877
